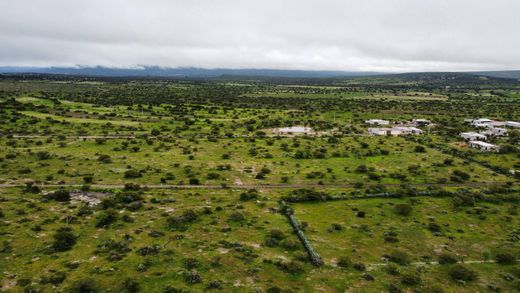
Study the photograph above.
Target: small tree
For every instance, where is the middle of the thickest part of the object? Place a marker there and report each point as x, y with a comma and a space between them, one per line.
505, 258
60, 195
132, 174
462, 273
64, 239
403, 209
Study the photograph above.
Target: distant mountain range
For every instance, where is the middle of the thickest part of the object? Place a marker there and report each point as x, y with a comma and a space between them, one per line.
193, 72
189, 72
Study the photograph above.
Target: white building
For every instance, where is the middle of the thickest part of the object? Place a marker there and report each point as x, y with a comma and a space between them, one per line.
484, 146
421, 122
487, 123
473, 136
481, 121
495, 131
377, 122
395, 131
513, 124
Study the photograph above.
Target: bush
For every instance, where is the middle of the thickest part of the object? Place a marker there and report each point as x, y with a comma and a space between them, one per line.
399, 257
392, 269
461, 175
403, 209
237, 217
59, 195
64, 239
303, 195
434, 227
419, 149
392, 288
24, 170
505, 258
411, 279
105, 159
213, 176
84, 286
132, 174
344, 262
193, 277
194, 181
289, 244
105, 218
214, 285
54, 278
43, 155
191, 263
359, 266
462, 273
447, 258
130, 285
292, 267
179, 223
251, 194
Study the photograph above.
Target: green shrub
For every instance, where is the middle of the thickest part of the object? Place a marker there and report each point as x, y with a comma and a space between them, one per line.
344, 262
84, 286
191, 263
64, 239
54, 278
460, 272
43, 155
434, 227
59, 195
292, 267
403, 209
179, 223
289, 244
24, 170
251, 194
420, 149
505, 258
132, 174
194, 181
411, 279
237, 216
216, 284
359, 266
193, 277
447, 258
106, 159
399, 257
105, 218
130, 285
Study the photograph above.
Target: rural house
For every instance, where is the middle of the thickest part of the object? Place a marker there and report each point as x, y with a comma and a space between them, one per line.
484, 146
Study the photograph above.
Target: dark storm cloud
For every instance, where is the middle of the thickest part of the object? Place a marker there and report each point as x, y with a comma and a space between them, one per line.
382, 35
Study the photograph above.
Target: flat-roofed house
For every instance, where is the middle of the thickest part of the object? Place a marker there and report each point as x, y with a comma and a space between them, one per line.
513, 124
486, 123
421, 122
395, 131
379, 131
473, 136
484, 146
495, 131
377, 122
481, 122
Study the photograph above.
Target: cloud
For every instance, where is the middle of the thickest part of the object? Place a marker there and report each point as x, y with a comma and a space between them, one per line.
382, 35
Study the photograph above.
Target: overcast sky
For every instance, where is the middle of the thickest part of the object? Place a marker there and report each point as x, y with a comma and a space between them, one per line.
367, 35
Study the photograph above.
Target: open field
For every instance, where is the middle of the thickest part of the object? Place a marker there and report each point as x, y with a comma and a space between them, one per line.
186, 186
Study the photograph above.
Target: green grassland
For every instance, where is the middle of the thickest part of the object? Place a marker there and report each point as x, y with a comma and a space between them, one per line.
193, 176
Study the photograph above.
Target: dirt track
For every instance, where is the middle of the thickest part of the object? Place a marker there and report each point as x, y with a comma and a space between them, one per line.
256, 186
